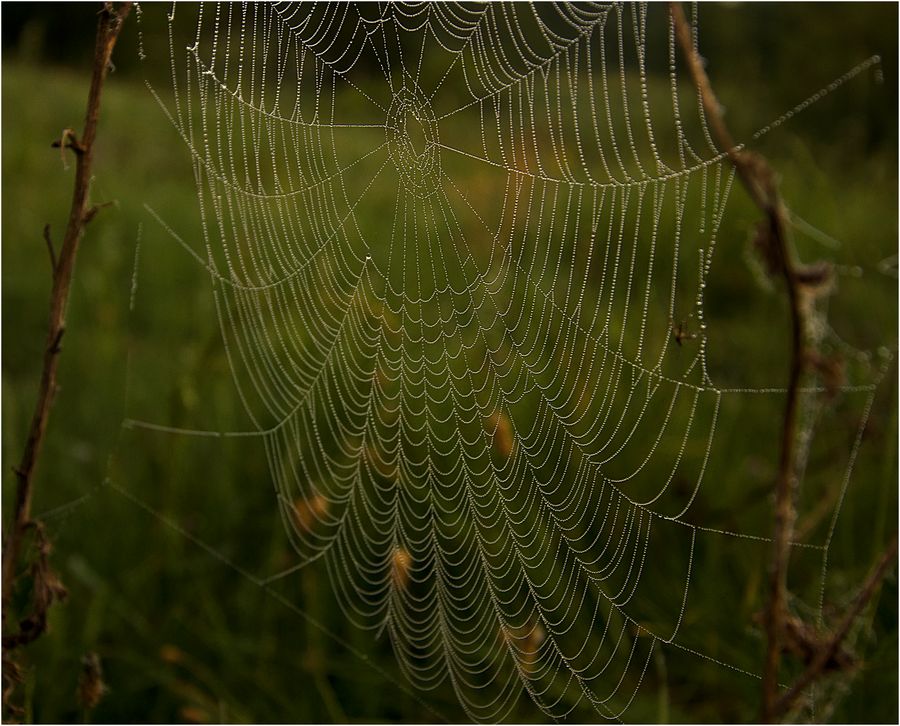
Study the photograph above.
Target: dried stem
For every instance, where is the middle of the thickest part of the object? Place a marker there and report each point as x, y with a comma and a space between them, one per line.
759, 180
108, 27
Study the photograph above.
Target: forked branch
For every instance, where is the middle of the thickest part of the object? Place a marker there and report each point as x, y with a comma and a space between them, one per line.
801, 283
108, 26
830, 646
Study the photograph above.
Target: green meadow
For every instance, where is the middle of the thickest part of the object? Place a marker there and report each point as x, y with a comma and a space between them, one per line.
164, 542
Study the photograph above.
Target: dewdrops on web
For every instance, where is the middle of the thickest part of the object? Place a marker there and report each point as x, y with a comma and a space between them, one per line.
392, 387
526, 642
378, 464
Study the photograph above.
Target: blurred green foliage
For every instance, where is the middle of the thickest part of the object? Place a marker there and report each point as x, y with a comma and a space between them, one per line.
184, 636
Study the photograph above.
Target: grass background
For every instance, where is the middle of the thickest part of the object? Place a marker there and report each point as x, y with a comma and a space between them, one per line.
185, 637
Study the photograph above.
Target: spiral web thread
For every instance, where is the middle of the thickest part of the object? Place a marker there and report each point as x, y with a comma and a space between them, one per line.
458, 255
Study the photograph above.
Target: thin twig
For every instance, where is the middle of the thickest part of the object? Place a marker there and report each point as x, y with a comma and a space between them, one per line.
711, 107
108, 27
50, 249
831, 646
759, 180
92, 212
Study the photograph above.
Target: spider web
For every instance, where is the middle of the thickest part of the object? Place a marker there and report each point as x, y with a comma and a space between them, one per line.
458, 256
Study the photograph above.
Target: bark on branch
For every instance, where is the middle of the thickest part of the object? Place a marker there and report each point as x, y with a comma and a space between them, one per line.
759, 182
109, 24
801, 283
830, 646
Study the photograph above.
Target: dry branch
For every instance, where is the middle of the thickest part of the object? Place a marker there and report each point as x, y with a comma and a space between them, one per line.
830, 647
759, 180
802, 283
108, 26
